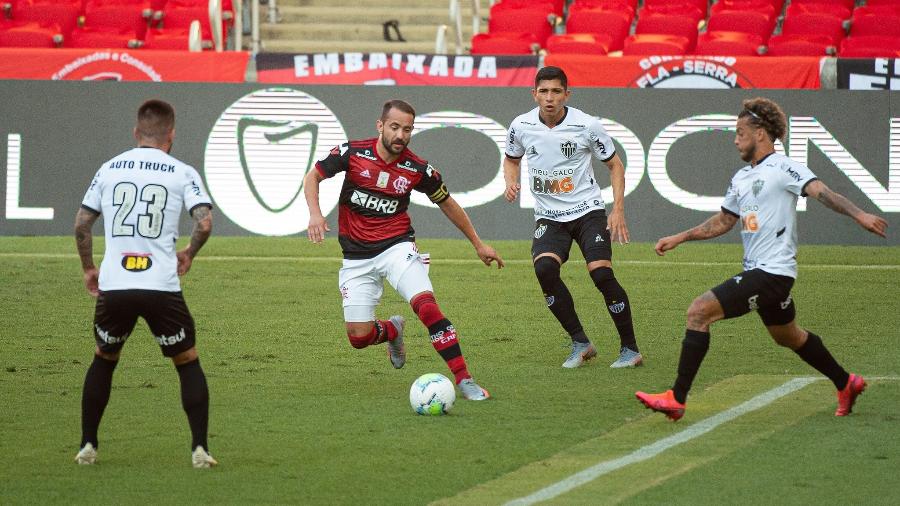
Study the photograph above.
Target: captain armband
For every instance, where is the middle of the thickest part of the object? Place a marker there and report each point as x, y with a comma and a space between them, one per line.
440, 194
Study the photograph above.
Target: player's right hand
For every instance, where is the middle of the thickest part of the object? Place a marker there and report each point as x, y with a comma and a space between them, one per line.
512, 191
666, 243
91, 281
317, 228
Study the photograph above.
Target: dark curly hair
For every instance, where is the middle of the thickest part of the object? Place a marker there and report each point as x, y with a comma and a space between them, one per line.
766, 114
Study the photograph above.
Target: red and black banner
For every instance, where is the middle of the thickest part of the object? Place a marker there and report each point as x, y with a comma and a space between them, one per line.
122, 65
726, 72
402, 69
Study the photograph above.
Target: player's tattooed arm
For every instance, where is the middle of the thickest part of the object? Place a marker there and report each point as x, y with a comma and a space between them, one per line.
841, 204
715, 226
202, 229
84, 241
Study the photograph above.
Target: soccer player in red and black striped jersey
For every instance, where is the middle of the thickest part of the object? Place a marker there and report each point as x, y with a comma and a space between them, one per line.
378, 240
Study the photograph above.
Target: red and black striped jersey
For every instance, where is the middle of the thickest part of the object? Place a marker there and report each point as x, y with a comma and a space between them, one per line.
372, 208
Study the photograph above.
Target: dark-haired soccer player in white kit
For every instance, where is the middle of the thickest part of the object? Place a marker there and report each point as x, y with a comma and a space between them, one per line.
763, 196
559, 142
141, 193
378, 241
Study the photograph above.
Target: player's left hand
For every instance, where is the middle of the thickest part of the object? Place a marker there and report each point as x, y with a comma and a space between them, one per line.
184, 262
487, 255
618, 230
91, 281
875, 224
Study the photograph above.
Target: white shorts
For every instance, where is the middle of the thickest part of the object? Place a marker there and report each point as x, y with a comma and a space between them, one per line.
361, 282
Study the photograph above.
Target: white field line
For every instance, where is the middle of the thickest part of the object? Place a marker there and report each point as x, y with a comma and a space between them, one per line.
473, 260
654, 449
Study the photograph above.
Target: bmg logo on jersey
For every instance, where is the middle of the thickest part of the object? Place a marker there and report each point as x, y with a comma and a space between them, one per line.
258, 153
136, 263
381, 205
552, 186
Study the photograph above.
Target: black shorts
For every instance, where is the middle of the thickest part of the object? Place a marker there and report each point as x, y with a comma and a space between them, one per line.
166, 314
757, 290
589, 231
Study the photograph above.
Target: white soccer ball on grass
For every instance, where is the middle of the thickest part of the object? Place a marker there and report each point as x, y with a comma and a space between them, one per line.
432, 394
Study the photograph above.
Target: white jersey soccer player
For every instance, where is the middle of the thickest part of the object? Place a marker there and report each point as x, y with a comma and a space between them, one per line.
559, 143
764, 197
142, 192
561, 177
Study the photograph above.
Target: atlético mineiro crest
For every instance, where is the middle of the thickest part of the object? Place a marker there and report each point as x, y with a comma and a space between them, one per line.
539, 232
757, 187
567, 148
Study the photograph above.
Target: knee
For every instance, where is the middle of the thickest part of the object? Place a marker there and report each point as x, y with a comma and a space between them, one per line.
601, 276
547, 270
360, 335
699, 313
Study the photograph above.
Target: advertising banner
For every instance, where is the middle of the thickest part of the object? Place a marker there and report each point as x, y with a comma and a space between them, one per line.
396, 68
868, 73
253, 145
690, 71
122, 65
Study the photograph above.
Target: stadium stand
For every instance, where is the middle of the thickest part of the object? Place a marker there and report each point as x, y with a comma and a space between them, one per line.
603, 22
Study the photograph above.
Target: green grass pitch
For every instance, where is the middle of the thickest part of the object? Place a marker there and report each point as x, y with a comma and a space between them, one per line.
298, 416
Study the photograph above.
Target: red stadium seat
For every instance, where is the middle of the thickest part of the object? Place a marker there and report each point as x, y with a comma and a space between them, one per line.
555, 6
655, 44
815, 24
579, 43
64, 14
626, 6
700, 4
754, 23
682, 26
28, 34
880, 25
524, 20
835, 9
613, 24
728, 44
760, 6
101, 37
873, 46
800, 45
683, 10
503, 43
846, 3
171, 39
132, 16
878, 10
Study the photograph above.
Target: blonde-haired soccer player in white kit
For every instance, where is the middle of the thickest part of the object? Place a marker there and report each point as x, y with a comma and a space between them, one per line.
763, 197
141, 193
559, 142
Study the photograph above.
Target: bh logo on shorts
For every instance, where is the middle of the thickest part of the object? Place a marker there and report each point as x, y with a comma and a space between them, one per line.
258, 152
617, 307
539, 232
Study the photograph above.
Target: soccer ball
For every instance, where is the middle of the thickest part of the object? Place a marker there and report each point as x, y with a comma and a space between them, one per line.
432, 394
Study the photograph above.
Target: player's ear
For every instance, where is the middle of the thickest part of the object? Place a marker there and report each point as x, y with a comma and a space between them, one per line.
137, 137
379, 125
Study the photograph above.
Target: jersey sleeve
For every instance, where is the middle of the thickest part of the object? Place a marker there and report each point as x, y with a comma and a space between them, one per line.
730, 203
92, 196
797, 177
193, 191
432, 185
514, 147
338, 160
601, 143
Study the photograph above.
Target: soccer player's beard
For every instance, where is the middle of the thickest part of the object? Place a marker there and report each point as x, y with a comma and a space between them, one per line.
389, 146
